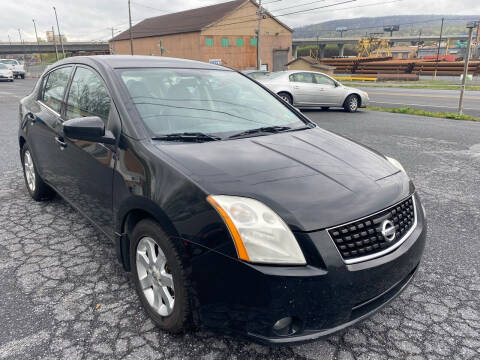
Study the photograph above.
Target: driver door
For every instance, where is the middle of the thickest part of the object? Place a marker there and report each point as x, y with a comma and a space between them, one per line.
89, 165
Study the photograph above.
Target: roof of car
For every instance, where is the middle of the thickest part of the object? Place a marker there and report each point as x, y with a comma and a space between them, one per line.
138, 61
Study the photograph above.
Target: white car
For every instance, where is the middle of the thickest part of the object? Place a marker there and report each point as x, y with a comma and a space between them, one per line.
15, 66
309, 89
5, 73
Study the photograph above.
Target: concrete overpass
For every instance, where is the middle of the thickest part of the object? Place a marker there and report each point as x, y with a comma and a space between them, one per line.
33, 47
340, 42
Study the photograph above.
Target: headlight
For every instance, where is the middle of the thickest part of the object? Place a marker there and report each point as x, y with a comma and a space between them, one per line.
396, 163
259, 234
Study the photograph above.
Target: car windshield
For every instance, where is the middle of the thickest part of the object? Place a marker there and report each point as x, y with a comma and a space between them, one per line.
3, 67
10, 62
214, 102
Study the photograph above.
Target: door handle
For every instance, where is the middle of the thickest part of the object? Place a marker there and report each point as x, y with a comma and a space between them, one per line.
59, 140
30, 117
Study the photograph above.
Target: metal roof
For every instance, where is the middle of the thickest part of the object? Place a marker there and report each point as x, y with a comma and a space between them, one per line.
185, 21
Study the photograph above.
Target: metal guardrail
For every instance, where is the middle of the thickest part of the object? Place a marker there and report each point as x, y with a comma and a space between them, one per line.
356, 78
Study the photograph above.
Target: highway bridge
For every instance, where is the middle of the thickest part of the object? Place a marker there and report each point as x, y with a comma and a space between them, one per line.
341, 41
49, 47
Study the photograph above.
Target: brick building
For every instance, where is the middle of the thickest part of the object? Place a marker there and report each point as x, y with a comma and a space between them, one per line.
224, 33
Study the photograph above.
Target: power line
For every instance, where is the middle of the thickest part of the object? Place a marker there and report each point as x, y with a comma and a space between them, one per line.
289, 7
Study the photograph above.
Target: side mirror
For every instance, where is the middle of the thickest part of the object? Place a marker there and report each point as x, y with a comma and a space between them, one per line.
89, 128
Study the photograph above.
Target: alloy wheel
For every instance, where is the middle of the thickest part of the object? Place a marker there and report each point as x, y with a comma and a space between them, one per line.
155, 277
353, 103
29, 170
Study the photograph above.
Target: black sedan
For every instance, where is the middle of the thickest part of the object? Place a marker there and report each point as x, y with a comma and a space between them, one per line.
231, 209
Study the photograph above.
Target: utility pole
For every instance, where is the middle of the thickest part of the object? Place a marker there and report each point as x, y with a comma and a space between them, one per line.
260, 15
59, 35
418, 43
477, 39
438, 50
55, 43
130, 28
38, 42
112, 50
470, 27
23, 45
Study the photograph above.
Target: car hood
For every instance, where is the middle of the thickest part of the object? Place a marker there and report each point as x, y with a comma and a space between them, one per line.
313, 179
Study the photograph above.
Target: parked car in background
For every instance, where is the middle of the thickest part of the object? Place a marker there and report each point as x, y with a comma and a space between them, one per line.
5, 73
231, 209
308, 89
256, 74
16, 67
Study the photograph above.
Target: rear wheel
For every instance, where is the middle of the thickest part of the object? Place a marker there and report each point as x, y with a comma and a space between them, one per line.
351, 103
286, 97
160, 277
37, 188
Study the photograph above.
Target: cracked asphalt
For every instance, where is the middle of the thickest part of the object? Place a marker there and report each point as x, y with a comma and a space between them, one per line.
64, 296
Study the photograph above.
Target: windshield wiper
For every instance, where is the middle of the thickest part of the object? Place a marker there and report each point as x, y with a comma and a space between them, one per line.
262, 130
187, 136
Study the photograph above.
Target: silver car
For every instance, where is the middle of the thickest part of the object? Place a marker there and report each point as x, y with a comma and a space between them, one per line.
307, 89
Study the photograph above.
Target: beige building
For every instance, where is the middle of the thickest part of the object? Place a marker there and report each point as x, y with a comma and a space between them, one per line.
224, 34
309, 63
51, 35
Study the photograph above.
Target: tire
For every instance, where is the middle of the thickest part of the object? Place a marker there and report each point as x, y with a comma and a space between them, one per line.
36, 187
325, 108
148, 241
286, 97
351, 103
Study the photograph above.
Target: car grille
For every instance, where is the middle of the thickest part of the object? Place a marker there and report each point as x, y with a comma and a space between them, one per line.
362, 239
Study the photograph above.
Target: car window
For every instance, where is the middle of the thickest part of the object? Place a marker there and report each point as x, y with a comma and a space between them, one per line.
54, 89
302, 77
10, 62
3, 67
208, 101
87, 96
323, 80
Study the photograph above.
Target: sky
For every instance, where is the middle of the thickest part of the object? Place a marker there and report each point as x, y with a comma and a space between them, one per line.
92, 20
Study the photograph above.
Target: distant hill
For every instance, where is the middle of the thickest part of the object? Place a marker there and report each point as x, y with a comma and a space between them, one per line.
409, 25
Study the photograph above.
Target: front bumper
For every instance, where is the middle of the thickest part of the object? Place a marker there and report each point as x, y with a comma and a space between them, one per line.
364, 100
323, 297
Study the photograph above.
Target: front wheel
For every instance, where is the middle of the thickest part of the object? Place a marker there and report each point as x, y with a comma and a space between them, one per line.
286, 97
351, 103
160, 276
36, 187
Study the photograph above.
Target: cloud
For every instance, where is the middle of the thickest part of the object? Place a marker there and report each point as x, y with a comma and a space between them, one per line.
89, 20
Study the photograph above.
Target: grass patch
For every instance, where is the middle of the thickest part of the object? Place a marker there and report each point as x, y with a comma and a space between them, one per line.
410, 111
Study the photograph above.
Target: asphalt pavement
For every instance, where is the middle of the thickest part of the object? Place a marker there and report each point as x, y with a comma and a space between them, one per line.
424, 99
63, 295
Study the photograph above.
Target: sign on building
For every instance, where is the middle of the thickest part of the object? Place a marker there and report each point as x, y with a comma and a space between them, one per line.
215, 61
